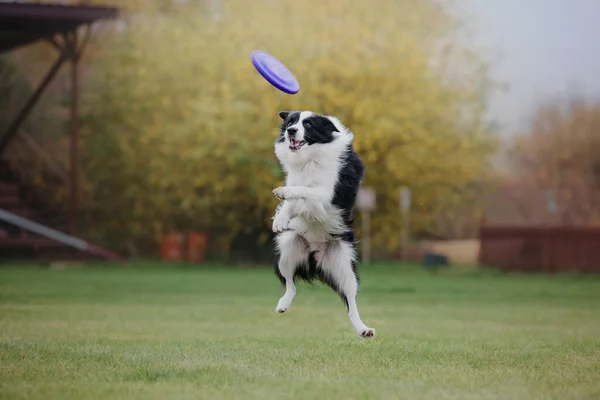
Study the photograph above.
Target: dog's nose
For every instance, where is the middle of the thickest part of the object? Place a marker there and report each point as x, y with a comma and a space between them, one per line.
292, 131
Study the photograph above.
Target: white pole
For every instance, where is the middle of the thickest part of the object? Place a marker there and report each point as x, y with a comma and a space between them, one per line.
405, 200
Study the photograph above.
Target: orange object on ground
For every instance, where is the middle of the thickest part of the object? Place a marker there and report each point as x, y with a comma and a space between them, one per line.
171, 246
196, 246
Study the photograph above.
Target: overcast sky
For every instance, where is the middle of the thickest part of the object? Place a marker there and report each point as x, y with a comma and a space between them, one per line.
544, 48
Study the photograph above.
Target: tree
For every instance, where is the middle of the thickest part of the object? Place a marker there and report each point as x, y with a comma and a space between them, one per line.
179, 128
560, 155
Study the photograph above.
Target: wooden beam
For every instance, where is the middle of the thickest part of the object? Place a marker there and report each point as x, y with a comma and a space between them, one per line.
16, 123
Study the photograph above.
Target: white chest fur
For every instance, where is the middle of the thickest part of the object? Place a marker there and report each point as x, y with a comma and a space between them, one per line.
313, 175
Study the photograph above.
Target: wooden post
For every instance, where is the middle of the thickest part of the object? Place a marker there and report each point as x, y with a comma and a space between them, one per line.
74, 145
15, 124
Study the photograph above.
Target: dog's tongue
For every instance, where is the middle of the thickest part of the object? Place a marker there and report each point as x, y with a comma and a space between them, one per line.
293, 142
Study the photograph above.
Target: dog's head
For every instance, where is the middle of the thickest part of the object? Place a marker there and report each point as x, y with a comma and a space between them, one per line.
302, 129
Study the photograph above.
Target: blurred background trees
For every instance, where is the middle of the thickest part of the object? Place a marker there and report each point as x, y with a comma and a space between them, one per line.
179, 128
560, 156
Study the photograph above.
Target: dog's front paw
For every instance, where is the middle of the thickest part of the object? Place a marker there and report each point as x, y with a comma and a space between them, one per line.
281, 192
280, 222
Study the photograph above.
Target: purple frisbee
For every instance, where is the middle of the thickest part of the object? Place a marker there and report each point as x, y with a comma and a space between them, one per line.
275, 72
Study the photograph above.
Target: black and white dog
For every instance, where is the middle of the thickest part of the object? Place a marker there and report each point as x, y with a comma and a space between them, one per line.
313, 222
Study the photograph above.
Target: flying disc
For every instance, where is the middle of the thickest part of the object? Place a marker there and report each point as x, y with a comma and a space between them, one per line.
275, 72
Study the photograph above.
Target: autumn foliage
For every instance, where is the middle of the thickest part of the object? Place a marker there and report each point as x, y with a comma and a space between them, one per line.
560, 156
179, 128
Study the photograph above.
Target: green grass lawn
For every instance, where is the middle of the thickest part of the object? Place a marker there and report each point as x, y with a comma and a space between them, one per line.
188, 333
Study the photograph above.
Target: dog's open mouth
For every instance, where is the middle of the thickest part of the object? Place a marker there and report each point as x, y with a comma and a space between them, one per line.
296, 144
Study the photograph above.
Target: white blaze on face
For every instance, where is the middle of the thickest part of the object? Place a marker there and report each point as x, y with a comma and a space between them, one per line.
299, 136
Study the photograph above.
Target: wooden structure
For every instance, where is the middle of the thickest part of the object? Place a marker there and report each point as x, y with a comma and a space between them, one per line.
59, 25
540, 248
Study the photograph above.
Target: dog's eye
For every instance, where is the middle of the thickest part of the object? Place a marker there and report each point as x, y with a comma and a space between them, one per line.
307, 124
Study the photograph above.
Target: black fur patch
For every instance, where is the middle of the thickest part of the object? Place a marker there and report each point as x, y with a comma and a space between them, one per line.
318, 129
349, 178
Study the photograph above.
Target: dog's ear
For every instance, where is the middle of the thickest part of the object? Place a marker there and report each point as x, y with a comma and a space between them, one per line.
330, 126
284, 114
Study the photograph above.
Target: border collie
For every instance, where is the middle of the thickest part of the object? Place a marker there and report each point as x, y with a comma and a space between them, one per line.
313, 221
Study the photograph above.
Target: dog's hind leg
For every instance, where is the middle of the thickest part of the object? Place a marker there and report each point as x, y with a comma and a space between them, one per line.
292, 253
338, 265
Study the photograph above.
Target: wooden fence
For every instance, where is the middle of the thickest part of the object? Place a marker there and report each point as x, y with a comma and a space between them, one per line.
540, 249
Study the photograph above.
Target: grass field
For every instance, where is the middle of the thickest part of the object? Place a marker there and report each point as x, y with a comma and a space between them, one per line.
171, 332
